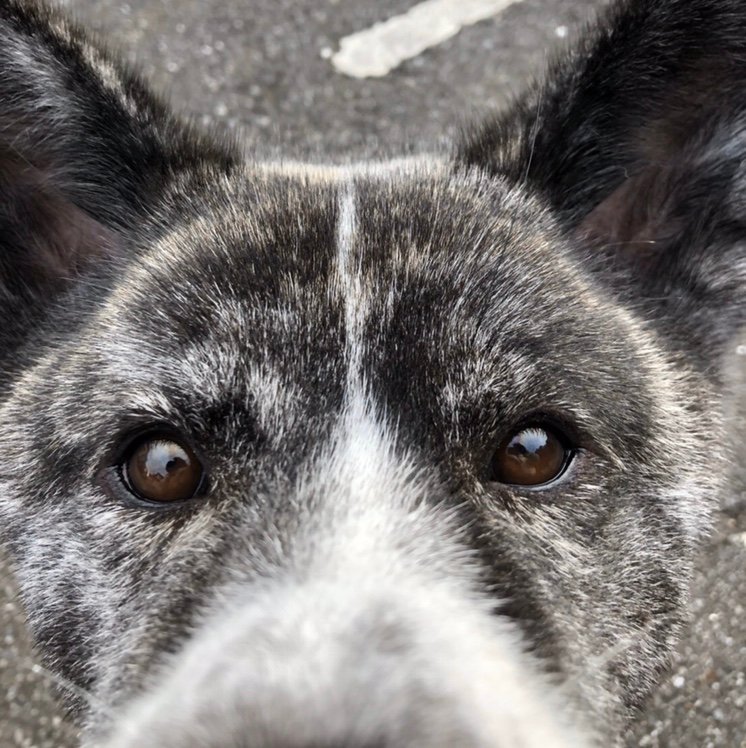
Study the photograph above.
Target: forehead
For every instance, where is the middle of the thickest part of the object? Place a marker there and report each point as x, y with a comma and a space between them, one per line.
268, 249
415, 289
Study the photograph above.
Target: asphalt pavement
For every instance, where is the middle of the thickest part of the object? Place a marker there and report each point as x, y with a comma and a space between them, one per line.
265, 69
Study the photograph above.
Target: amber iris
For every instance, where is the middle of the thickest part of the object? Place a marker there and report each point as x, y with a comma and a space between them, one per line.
163, 470
530, 457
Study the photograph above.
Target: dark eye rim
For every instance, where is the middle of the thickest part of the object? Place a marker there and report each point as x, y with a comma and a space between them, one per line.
113, 477
562, 429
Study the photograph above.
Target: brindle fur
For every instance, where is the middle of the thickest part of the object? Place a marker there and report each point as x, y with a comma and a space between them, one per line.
345, 347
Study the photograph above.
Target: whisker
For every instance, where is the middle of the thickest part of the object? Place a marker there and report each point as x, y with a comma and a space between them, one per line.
59, 680
535, 130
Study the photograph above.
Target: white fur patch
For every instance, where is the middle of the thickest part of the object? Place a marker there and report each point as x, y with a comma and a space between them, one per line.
351, 287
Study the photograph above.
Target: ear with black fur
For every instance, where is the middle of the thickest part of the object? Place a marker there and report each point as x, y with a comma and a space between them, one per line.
637, 139
85, 151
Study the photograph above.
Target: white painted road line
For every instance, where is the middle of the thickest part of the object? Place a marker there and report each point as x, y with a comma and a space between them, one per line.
378, 50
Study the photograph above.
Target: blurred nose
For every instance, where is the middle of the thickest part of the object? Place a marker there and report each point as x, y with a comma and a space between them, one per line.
342, 665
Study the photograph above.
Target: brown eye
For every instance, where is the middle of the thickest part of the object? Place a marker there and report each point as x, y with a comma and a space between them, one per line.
531, 457
161, 469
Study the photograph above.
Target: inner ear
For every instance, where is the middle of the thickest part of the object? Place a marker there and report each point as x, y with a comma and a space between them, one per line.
684, 115
44, 238
663, 147
639, 212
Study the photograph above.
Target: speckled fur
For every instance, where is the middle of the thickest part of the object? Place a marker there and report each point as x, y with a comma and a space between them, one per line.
345, 347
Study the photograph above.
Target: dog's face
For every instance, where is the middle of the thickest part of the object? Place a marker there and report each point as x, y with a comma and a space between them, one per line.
374, 457
344, 378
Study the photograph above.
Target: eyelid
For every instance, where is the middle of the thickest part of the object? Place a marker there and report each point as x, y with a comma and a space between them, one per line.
581, 428
135, 426
560, 424
557, 483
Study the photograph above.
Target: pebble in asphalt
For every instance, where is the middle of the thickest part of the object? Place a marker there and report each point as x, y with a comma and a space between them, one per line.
263, 67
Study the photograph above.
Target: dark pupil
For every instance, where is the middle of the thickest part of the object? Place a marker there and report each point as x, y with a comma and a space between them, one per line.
528, 443
164, 458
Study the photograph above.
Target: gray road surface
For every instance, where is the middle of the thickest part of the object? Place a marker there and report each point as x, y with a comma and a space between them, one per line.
263, 66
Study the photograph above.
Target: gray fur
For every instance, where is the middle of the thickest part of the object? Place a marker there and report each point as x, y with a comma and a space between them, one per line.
345, 348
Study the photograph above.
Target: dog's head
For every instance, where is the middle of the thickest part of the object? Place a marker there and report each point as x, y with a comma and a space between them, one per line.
369, 457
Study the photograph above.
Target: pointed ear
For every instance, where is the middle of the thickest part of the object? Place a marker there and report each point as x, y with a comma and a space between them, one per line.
636, 138
86, 151
45, 239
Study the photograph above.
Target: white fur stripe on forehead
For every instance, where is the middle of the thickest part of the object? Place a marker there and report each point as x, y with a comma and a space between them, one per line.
351, 288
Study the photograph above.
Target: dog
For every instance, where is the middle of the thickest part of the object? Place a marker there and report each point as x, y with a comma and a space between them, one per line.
407, 454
